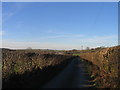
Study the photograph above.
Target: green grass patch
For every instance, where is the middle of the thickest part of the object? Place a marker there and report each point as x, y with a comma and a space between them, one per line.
76, 54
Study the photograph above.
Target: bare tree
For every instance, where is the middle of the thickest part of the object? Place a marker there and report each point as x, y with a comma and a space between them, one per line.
29, 48
81, 47
87, 48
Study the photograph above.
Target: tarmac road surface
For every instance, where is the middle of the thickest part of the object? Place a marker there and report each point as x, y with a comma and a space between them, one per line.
74, 75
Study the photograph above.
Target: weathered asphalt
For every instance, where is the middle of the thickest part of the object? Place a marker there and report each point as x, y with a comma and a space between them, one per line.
73, 76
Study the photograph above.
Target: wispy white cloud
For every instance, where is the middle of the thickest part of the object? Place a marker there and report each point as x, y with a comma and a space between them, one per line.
94, 41
1, 32
16, 7
34, 45
98, 39
6, 16
59, 34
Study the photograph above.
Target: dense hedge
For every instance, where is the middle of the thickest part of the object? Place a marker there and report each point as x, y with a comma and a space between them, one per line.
24, 68
107, 60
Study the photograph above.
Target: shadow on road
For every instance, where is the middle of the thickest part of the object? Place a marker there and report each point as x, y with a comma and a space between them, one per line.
74, 75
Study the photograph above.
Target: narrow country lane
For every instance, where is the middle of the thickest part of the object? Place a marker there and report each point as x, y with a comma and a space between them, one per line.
74, 75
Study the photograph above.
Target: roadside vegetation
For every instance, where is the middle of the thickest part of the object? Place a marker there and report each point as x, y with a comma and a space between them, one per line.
103, 66
31, 68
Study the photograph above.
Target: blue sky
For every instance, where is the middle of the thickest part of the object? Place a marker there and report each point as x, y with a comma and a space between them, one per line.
61, 25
